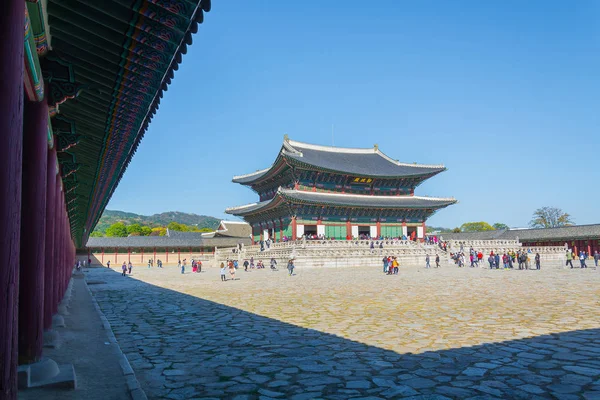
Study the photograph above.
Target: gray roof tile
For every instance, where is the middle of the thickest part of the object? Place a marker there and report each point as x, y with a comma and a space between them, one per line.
532, 235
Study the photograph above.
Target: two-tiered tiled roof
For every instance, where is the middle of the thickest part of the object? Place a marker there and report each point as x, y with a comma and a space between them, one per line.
291, 196
370, 162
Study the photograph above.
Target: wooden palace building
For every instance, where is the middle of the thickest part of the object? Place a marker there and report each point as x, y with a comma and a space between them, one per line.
338, 193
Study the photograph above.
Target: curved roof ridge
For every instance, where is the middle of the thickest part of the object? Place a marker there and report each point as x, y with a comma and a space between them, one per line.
258, 172
332, 149
404, 164
351, 195
237, 208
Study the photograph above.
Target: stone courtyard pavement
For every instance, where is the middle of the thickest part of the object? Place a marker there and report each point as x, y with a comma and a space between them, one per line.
356, 333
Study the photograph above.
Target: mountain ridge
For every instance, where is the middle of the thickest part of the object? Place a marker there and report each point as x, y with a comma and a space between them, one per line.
110, 217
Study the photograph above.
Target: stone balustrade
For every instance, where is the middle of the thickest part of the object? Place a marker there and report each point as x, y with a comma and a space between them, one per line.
331, 253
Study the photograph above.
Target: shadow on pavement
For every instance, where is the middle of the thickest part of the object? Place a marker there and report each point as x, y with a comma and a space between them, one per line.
184, 347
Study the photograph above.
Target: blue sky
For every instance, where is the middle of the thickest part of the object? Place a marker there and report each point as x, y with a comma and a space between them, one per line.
504, 93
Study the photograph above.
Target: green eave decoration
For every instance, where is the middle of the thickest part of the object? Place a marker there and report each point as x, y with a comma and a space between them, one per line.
50, 136
60, 77
36, 15
33, 81
65, 133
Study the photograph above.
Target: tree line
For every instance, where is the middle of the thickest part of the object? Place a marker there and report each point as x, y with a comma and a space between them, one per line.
119, 229
545, 217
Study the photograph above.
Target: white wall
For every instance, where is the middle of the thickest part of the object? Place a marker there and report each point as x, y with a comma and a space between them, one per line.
373, 231
355, 231
265, 234
321, 230
420, 232
405, 231
299, 230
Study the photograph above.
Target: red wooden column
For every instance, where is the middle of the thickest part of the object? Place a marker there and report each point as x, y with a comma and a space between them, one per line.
378, 229
294, 228
116, 252
253, 241
12, 19
50, 219
424, 231
61, 250
33, 232
348, 230
154, 259
167, 255
281, 230
129, 254
56, 265
178, 254
142, 249
103, 256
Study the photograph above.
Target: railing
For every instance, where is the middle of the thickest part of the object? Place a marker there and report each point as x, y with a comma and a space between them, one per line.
331, 249
466, 244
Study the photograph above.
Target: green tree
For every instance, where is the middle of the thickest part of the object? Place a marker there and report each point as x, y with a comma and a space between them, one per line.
456, 230
117, 229
146, 231
550, 217
97, 234
159, 231
134, 230
499, 225
176, 226
476, 227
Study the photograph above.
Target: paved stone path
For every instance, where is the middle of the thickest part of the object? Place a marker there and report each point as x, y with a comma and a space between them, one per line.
356, 333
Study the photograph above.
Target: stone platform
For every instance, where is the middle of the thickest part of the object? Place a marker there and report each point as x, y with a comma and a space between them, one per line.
356, 333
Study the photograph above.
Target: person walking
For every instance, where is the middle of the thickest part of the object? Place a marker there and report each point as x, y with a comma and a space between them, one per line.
596, 258
273, 264
437, 260
569, 259
149, 264
130, 267
491, 261
232, 271
290, 266
427, 261
246, 263
385, 264
223, 272
582, 257
124, 268
537, 261
108, 264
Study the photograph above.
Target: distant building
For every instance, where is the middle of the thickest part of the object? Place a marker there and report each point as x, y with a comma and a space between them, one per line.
576, 237
179, 244
337, 193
